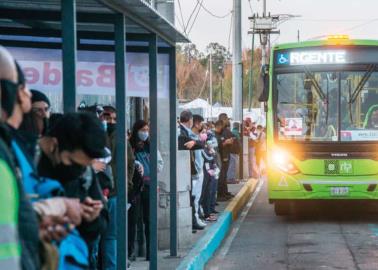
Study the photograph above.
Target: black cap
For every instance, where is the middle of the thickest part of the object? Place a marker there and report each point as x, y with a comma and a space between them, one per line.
39, 96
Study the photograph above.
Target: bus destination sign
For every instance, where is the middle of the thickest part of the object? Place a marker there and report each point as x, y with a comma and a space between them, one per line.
324, 57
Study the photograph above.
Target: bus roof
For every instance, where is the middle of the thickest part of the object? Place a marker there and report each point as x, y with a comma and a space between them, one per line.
326, 42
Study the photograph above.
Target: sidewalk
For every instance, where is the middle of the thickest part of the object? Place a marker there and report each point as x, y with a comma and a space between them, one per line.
166, 262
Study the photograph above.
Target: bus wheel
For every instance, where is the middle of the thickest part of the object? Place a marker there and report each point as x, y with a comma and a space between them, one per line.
282, 208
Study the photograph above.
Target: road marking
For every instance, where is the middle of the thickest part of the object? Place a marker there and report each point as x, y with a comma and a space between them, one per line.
227, 245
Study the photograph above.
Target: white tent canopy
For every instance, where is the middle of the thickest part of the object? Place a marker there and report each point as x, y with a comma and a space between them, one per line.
256, 114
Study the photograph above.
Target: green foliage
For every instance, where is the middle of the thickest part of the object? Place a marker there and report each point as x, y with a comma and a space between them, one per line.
193, 77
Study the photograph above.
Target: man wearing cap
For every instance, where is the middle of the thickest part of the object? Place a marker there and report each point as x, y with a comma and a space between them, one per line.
41, 110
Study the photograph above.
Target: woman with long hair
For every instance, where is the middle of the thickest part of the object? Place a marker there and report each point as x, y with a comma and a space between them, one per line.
140, 143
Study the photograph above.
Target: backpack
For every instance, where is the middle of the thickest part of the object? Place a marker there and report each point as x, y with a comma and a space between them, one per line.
35, 187
73, 253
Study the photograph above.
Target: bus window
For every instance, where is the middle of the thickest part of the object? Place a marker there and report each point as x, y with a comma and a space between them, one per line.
359, 119
307, 108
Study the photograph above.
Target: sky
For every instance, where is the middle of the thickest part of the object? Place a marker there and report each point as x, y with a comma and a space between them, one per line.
358, 19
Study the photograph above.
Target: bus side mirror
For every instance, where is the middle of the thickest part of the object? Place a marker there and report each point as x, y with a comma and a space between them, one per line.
265, 93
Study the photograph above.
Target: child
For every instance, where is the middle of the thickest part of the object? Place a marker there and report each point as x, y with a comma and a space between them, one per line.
211, 172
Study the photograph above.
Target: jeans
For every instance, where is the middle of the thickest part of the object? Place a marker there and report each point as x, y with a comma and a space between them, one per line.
232, 167
222, 184
205, 196
197, 181
110, 243
213, 193
145, 207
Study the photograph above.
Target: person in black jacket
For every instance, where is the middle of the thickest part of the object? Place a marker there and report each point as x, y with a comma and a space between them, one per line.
68, 149
185, 142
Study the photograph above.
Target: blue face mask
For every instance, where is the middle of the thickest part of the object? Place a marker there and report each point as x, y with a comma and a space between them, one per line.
143, 135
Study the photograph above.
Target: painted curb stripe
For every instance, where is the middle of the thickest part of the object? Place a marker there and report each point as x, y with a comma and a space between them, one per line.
211, 240
241, 198
207, 244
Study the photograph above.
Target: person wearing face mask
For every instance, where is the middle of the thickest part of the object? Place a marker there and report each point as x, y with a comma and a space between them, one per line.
198, 133
211, 174
140, 144
67, 151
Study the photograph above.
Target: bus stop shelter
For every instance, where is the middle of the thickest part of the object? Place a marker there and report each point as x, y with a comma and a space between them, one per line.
99, 28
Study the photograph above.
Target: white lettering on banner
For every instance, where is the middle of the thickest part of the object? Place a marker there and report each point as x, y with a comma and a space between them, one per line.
317, 57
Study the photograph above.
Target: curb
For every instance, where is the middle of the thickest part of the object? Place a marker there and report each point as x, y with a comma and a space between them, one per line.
211, 240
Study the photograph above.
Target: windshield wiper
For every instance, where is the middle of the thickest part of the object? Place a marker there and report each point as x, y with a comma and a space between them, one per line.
317, 87
362, 83
350, 103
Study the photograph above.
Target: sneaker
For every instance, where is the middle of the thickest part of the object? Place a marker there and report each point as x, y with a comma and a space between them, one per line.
211, 219
132, 257
201, 223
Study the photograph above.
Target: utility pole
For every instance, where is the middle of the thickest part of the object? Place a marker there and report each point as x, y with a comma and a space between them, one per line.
250, 85
211, 84
237, 76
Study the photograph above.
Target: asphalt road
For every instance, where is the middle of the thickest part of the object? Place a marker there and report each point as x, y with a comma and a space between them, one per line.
321, 237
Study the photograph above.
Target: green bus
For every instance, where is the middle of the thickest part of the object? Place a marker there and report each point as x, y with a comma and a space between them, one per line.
322, 121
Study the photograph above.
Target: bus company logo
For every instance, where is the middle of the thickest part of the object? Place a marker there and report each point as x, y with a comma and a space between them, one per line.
342, 167
331, 167
346, 167
283, 59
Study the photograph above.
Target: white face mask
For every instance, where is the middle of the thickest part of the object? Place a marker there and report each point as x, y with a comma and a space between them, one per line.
143, 135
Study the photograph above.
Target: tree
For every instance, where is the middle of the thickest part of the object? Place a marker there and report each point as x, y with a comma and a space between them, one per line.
193, 74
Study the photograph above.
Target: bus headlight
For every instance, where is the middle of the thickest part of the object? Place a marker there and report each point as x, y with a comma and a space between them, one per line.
283, 161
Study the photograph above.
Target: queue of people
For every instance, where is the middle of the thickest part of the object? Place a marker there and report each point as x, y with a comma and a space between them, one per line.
58, 177
214, 155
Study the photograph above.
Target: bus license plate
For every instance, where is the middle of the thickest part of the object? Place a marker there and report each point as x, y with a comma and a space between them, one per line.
339, 191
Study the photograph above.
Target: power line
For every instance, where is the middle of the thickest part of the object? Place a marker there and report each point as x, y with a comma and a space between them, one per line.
360, 25
195, 18
211, 13
330, 20
180, 23
230, 31
250, 6
191, 15
347, 29
182, 17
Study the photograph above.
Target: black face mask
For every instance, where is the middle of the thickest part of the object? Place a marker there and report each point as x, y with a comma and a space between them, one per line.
8, 95
60, 172
69, 172
111, 128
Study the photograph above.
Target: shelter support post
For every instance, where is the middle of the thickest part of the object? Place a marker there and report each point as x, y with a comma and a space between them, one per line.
153, 149
69, 54
173, 151
121, 137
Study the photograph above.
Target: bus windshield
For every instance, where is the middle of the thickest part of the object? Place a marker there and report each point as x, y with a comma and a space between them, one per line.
326, 106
